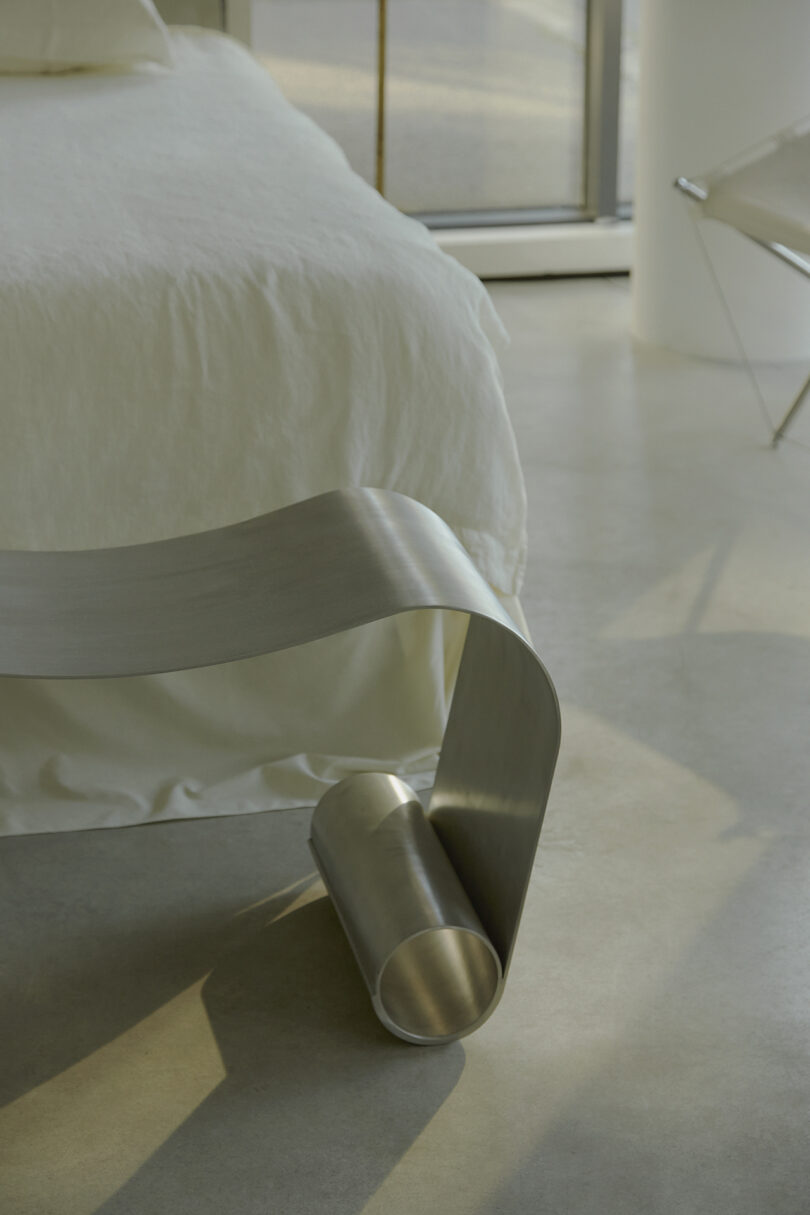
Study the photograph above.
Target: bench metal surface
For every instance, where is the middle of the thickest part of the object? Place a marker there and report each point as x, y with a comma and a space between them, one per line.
319, 567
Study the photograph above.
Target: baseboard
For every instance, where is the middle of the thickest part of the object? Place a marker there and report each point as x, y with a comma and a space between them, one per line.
536, 250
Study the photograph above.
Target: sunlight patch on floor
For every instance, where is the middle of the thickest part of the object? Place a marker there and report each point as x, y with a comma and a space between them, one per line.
623, 890
756, 581
84, 1133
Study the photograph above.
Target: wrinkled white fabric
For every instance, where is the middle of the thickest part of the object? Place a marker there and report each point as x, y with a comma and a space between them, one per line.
205, 315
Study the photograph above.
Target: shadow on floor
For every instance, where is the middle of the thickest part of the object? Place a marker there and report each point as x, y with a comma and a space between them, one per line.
319, 1102
299, 1100
699, 1102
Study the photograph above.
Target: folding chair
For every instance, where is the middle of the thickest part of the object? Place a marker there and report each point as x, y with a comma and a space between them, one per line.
765, 195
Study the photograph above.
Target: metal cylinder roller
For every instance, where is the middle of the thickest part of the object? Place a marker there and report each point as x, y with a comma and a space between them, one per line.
431, 970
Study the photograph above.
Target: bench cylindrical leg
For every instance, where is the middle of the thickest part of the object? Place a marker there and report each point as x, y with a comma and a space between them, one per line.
431, 970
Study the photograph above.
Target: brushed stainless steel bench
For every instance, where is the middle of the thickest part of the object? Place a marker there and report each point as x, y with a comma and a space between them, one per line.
430, 901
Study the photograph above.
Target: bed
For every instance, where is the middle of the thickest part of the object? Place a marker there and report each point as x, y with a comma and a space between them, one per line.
205, 316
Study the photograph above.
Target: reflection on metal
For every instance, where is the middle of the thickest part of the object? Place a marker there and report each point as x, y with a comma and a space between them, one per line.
379, 167
691, 189
602, 81
431, 905
501, 217
429, 965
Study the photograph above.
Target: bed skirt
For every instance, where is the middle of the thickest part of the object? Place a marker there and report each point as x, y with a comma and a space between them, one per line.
263, 734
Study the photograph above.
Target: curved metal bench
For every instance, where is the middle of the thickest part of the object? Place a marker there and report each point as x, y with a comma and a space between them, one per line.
430, 903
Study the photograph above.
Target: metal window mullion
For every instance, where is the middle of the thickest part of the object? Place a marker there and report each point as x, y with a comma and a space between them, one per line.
602, 78
379, 155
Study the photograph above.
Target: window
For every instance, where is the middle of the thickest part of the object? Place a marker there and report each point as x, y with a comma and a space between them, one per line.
497, 112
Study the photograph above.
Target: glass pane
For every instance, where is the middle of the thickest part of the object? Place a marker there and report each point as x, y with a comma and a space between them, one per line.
323, 55
628, 100
191, 12
485, 103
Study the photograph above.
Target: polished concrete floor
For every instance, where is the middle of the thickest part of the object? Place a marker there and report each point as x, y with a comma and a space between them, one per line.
183, 1028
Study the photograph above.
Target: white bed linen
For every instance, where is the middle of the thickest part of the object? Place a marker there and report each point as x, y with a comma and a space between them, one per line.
205, 315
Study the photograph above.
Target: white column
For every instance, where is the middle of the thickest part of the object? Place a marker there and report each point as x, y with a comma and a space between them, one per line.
717, 76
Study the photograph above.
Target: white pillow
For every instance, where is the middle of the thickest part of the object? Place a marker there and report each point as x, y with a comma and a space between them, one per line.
57, 35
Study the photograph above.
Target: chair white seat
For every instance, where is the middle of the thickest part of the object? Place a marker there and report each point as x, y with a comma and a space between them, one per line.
767, 198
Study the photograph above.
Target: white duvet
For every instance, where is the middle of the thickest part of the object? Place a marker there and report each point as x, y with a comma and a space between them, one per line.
205, 315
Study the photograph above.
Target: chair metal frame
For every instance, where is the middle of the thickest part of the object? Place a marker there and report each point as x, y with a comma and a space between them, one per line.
791, 258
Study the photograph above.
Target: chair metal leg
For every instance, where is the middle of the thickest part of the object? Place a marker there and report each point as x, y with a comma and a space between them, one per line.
427, 961
791, 258
431, 904
791, 413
